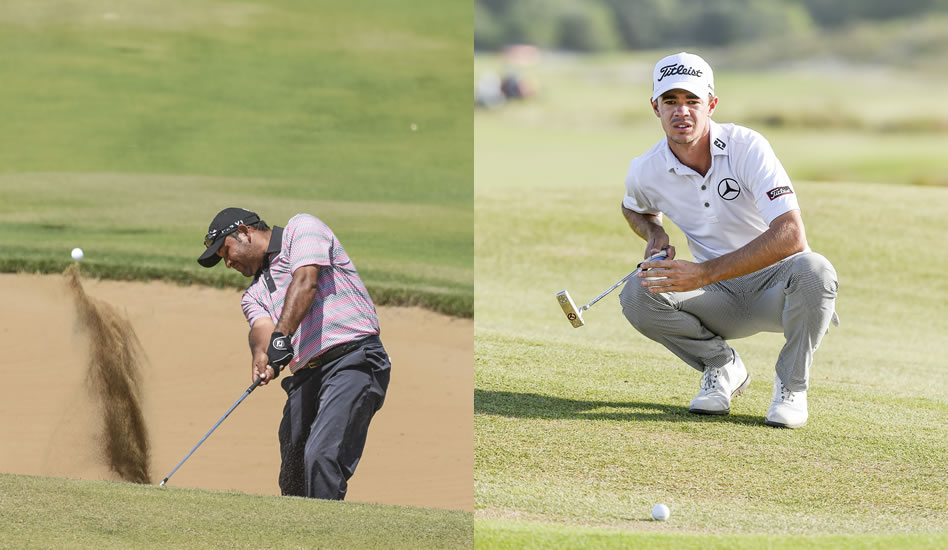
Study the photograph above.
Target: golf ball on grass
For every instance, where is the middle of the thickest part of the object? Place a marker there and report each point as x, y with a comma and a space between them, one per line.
77, 254
660, 512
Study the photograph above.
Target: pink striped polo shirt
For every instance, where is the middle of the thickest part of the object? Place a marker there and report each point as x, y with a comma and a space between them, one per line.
342, 310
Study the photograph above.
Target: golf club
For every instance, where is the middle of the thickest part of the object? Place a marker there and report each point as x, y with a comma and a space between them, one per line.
234, 406
575, 315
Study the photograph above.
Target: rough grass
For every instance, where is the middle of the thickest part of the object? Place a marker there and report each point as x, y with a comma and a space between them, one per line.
586, 429
38, 512
398, 256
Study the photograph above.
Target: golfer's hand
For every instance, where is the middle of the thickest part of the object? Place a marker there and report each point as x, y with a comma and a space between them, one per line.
280, 352
673, 276
261, 369
657, 244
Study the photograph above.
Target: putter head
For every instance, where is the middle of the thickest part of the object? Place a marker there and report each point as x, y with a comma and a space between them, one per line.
573, 313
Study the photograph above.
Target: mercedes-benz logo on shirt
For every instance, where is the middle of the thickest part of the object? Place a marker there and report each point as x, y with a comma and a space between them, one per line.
729, 189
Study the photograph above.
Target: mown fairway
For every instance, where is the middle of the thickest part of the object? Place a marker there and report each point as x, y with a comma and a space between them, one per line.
579, 432
58, 513
127, 127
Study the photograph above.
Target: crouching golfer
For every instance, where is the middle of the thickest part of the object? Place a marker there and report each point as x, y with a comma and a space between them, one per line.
753, 272
308, 310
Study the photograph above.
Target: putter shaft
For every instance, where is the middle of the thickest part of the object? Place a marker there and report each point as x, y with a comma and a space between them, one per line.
611, 288
660, 256
575, 314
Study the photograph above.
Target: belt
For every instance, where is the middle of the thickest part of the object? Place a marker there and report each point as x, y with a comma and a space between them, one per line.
341, 350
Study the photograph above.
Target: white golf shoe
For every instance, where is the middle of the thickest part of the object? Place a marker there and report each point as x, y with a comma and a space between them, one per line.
719, 386
787, 408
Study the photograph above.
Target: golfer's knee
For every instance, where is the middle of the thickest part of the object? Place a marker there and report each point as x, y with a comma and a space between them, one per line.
812, 272
639, 305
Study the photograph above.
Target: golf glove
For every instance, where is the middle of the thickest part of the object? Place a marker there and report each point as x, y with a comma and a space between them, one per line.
280, 352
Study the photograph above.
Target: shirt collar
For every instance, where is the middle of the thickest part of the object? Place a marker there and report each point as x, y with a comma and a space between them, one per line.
273, 247
276, 240
719, 139
718, 144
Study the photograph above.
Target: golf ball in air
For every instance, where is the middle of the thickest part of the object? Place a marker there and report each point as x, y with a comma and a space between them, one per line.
77, 254
660, 512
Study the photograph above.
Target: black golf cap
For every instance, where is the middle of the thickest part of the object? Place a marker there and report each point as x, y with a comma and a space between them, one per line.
225, 222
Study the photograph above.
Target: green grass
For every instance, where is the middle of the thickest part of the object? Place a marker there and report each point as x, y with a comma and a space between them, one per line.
126, 128
516, 535
40, 512
579, 432
401, 260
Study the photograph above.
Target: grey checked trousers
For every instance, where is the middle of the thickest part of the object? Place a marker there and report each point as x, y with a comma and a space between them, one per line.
795, 296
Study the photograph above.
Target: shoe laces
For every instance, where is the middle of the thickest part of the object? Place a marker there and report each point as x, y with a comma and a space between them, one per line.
709, 380
786, 394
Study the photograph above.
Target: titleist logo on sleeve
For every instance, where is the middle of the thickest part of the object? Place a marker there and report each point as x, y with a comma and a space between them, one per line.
778, 191
671, 70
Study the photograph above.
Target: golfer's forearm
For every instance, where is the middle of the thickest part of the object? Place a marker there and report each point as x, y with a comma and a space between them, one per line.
259, 337
644, 225
785, 237
299, 299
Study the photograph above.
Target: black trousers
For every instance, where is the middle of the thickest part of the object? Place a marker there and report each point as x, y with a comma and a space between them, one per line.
326, 418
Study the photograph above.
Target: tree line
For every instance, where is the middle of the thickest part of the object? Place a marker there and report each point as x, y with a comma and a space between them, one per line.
604, 25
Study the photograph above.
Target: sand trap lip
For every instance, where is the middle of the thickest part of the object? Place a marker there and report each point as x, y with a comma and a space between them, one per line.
420, 445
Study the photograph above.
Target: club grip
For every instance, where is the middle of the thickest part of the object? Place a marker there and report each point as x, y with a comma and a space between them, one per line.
657, 256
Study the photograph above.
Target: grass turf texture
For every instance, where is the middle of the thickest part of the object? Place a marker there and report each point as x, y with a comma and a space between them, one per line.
127, 128
517, 535
579, 432
40, 512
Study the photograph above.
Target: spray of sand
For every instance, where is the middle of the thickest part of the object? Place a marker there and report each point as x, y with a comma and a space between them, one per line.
114, 377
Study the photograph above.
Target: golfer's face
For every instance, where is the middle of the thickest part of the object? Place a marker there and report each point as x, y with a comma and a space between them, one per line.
238, 255
684, 115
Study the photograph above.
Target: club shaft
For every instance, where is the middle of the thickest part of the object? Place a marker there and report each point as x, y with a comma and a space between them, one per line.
660, 256
611, 288
230, 410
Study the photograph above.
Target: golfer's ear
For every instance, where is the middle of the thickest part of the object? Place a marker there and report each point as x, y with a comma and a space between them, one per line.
655, 107
712, 105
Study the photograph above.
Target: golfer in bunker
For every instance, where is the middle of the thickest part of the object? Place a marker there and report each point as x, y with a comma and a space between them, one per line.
308, 310
753, 271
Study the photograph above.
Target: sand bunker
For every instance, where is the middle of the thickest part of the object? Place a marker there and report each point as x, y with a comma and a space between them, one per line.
420, 445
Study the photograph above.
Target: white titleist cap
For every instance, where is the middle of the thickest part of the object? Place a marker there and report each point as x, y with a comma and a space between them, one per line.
683, 70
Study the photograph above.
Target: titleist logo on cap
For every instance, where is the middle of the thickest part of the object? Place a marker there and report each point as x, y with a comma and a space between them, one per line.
671, 70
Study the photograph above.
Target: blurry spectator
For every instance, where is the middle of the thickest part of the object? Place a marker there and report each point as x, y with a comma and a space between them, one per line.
487, 92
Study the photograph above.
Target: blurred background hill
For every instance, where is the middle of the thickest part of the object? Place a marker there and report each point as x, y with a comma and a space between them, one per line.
910, 31
845, 90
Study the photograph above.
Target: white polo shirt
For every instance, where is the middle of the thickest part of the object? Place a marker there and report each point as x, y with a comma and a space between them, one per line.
742, 193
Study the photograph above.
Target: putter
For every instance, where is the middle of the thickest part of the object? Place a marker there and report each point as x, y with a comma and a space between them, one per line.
234, 406
575, 315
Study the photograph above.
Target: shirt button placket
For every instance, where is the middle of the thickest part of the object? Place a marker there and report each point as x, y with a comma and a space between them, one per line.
706, 198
